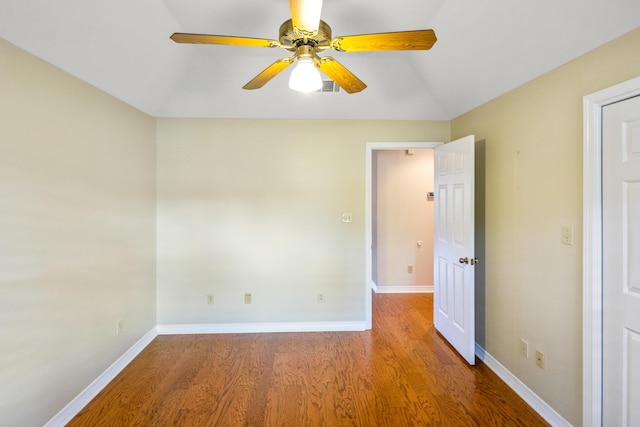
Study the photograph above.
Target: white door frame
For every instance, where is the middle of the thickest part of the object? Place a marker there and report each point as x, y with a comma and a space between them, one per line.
592, 248
368, 210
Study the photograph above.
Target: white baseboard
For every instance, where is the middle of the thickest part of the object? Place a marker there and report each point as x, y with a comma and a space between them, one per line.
402, 289
240, 328
539, 405
75, 406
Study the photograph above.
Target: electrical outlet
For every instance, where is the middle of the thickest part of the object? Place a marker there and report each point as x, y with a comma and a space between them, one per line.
320, 298
524, 348
118, 326
247, 298
410, 269
210, 299
539, 359
347, 217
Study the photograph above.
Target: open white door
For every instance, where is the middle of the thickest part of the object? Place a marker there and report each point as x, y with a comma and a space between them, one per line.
454, 258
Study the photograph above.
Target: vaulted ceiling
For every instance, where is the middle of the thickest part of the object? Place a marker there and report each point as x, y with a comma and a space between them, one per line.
484, 48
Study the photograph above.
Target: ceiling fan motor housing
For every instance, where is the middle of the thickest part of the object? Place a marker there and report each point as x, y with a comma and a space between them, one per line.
292, 39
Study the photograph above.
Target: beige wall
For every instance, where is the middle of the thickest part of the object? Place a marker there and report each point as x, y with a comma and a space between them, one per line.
256, 206
404, 217
77, 241
534, 186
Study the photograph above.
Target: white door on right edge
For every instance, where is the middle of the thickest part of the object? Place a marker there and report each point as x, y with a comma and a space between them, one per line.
621, 264
454, 258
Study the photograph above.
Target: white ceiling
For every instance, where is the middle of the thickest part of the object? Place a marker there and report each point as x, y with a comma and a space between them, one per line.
484, 48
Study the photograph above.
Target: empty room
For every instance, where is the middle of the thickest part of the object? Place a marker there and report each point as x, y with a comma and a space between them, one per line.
190, 235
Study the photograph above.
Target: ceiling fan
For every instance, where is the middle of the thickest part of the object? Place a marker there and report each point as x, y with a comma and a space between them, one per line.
305, 34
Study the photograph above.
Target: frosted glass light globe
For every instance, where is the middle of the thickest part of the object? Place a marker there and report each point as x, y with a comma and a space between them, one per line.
305, 77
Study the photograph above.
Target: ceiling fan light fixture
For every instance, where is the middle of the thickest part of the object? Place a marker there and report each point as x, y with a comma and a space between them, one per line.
305, 77
307, 35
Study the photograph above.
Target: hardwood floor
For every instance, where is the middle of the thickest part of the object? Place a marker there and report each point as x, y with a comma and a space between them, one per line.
400, 373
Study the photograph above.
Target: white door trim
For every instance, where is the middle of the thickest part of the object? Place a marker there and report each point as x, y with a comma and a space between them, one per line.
368, 216
592, 249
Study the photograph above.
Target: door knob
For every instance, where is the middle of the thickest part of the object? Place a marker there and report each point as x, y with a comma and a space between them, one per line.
464, 260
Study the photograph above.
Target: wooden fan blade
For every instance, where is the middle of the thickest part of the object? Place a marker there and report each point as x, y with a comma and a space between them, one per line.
339, 74
400, 40
305, 15
224, 40
270, 72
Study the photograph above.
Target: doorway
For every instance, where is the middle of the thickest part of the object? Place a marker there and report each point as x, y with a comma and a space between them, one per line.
372, 147
402, 205
592, 259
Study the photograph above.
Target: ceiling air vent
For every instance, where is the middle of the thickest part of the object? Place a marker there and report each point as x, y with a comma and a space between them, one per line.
329, 86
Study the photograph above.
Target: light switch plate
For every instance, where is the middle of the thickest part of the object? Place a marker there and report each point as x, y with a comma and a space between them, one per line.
567, 235
347, 217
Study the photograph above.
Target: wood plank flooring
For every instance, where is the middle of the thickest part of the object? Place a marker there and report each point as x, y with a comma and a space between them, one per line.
400, 373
